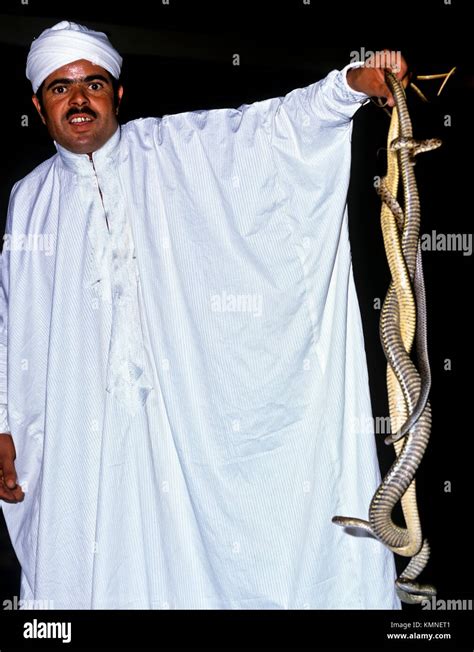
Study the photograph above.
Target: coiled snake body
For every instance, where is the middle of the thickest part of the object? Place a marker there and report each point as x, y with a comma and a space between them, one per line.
402, 319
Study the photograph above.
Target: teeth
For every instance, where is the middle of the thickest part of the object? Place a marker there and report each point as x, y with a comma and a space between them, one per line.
80, 119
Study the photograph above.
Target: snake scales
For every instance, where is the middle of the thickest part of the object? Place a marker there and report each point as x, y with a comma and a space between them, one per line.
403, 320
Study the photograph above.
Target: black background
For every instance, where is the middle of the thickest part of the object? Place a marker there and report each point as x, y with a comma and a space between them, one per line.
178, 57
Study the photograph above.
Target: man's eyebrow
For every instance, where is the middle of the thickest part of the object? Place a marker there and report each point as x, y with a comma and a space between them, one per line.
66, 80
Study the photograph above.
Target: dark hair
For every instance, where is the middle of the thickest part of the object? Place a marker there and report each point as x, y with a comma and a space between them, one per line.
115, 86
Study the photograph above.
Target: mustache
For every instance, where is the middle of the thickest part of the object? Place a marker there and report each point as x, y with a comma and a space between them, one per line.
75, 111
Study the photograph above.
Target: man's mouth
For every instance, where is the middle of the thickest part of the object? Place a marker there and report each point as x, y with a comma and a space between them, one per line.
78, 119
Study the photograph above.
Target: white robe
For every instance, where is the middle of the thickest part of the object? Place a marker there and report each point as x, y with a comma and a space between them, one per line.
217, 490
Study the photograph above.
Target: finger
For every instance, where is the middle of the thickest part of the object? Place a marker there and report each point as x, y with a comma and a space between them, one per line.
380, 87
9, 473
394, 61
383, 91
18, 493
10, 498
11, 495
384, 59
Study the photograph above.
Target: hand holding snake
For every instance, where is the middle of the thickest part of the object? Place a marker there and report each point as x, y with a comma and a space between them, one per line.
403, 321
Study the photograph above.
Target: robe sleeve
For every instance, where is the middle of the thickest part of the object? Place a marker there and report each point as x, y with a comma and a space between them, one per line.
310, 135
4, 427
330, 102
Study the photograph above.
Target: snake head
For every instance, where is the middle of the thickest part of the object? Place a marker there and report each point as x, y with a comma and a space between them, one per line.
412, 592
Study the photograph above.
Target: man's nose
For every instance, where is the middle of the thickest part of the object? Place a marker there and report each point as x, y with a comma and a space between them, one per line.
78, 96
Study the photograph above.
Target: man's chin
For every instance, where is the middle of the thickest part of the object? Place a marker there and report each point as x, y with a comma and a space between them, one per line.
85, 146
81, 143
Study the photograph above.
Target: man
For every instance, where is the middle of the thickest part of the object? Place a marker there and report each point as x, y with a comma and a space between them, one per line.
186, 369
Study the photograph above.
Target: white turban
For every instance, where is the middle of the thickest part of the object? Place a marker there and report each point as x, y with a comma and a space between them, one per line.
67, 42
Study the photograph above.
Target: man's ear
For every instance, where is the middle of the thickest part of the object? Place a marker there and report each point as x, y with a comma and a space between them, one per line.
36, 102
119, 98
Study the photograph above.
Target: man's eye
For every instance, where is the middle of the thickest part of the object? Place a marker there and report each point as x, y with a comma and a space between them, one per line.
97, 86
59, 90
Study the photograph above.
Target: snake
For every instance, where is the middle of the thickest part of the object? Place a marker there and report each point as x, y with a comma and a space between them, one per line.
403, 321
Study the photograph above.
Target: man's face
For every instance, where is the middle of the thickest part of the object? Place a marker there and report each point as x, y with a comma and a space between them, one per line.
78, 106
